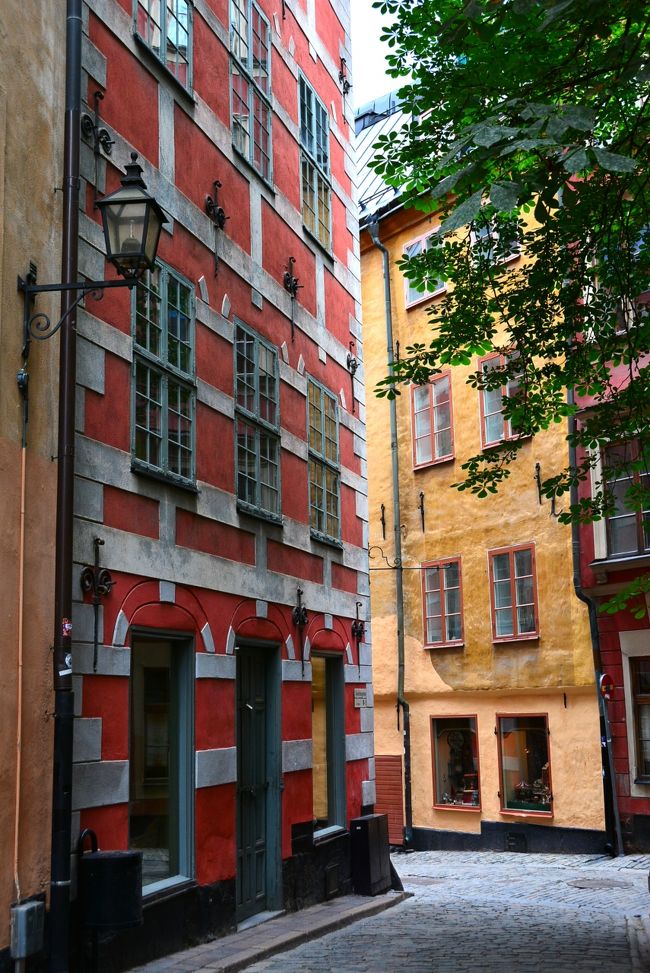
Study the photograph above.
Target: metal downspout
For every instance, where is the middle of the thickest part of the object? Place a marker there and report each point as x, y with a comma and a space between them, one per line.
609, 793
59, 958
373, 229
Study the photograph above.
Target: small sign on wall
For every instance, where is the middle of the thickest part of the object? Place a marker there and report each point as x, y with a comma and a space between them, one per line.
360, 698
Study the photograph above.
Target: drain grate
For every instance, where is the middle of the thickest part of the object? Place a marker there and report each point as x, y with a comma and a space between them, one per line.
600, 883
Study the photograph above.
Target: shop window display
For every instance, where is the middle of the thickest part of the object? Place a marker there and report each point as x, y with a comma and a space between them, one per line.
455, 762
525, 764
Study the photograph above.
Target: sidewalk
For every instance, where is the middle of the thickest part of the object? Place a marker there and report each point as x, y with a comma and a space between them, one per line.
239, 950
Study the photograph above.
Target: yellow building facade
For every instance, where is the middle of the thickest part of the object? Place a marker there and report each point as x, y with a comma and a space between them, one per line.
503, 736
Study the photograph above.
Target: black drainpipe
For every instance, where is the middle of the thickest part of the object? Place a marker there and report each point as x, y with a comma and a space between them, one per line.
373, 229
59, 959
612, 816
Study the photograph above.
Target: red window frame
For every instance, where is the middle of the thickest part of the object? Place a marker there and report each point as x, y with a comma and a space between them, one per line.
440, 564
516, 635
425, 295
433, 429
511, 387
477, 761
516, 812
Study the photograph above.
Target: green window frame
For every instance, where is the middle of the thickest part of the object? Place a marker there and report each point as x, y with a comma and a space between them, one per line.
165, 26
328, 744
257, 425
163, 376
161, 758
324, 463
316, 185
250, 85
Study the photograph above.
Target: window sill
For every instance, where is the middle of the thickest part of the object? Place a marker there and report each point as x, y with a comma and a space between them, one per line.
525, 814
621, 562
507, 639
457, 807
643, 781
259, 514
326, 539
434, 462
457, 644
152, 58
426, 297
507, 440
329, 834
250, 169
327, 252
187, 485
166, 889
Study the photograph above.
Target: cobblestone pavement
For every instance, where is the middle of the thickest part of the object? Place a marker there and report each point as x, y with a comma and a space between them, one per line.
495, 913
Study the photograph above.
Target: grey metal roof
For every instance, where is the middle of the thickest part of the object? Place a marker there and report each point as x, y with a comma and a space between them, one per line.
378, 117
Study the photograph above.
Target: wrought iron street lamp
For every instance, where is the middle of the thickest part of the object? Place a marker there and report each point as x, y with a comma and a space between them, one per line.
132, 221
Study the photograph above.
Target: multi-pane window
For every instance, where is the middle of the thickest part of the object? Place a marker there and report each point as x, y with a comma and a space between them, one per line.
455, 762
640, 673
432, 430
443, 607
487, 245
315, 165
250, 84
626, 475
258, 424
324, 468
432, 287
495, 428
166, 27
524, 763
513, 593
164, 394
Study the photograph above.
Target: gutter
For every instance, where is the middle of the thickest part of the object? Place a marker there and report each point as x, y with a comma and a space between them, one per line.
402, 703
59, 953
612, 815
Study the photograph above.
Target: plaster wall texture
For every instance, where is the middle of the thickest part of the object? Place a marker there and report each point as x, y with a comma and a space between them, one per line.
481, 675
31, 128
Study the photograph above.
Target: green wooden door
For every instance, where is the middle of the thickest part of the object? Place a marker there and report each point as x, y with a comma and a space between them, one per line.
252, 755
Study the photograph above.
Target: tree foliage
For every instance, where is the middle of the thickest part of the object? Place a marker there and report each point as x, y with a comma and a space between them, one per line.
528, 133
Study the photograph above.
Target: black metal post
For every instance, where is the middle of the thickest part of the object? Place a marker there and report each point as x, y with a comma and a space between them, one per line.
59, 958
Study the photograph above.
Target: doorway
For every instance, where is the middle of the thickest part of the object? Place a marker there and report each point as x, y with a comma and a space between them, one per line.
259, 772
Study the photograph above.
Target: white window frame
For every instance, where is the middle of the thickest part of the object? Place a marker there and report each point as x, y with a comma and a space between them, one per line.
261, 426
633, 644
159, 364
413, 248
315, 160
243, 141
318, 458
148, 7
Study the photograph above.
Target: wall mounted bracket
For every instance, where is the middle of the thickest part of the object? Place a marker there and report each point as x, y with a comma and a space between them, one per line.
218, 216
291, 285
101, 139
98, 581
352, 365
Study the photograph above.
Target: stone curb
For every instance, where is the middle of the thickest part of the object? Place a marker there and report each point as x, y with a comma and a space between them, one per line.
278, 935
296, 938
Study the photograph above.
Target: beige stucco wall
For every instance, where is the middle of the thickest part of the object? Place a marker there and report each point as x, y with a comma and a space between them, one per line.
481, 677
31, 123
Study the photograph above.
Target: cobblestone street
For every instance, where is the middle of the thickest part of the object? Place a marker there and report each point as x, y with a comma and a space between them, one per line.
495, 913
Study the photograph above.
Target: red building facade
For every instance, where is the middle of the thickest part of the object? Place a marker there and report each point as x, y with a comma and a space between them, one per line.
613, 552
220, 469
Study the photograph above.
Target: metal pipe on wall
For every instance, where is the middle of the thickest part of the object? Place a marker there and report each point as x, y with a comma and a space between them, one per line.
402, 703
59, 954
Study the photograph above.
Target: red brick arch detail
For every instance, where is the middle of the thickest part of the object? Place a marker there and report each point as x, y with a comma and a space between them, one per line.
274, 628
326, 639
142, 606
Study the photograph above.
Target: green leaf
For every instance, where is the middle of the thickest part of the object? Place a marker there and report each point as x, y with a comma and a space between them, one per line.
463, 214
504, 195
613, 162
576, 161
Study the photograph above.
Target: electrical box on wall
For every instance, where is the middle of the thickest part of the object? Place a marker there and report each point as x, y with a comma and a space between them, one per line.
27, 921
